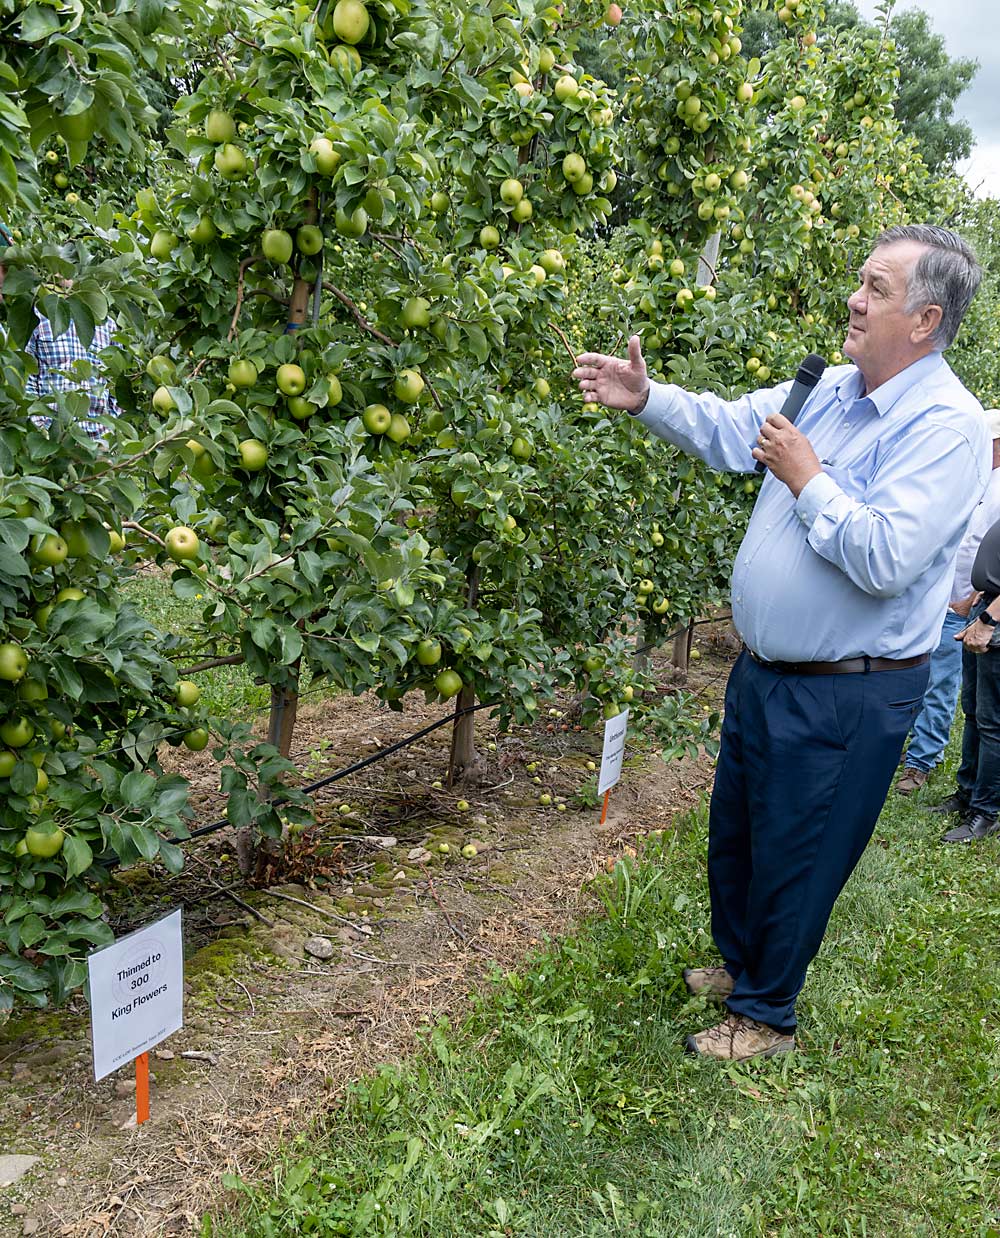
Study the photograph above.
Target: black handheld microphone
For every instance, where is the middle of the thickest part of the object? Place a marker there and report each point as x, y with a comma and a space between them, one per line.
806, 377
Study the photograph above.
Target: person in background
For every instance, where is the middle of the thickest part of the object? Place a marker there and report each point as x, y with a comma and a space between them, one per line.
929, 736
58, 360
977, 797
838, 590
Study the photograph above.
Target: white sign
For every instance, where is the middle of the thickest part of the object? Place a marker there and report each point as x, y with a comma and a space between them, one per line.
614, 751
136, 993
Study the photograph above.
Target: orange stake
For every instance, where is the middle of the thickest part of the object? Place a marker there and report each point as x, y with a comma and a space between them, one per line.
604, 810
141, 1089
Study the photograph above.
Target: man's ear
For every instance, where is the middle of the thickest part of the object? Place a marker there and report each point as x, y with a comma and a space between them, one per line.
927, 324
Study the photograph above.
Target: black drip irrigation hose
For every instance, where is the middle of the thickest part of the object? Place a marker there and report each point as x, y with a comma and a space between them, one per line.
358, 765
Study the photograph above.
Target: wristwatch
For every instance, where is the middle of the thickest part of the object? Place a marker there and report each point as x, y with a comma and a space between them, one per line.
987, 618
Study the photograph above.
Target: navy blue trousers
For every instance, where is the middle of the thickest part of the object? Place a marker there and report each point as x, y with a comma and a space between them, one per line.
804, 768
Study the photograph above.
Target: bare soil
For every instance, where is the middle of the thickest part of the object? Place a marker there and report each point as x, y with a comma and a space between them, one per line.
272, 1033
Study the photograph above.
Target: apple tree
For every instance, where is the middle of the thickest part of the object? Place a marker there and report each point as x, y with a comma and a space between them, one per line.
88, 694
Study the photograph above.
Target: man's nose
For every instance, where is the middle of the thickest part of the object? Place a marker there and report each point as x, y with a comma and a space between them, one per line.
857, 301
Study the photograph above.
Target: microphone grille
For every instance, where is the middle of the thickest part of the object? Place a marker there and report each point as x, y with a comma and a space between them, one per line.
811, 370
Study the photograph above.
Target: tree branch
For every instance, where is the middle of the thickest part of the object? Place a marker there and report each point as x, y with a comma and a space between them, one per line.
232, 659
244, 267
357, 315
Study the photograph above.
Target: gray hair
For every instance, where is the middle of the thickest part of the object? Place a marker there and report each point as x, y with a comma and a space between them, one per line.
947, 273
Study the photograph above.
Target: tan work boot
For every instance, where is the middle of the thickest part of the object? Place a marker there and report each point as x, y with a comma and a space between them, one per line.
711, 982
912, 780
737, 1038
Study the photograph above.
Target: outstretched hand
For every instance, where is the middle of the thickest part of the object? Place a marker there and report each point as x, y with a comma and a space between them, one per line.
614, 382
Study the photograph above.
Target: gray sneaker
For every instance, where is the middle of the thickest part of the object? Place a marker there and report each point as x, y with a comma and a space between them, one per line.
714, 983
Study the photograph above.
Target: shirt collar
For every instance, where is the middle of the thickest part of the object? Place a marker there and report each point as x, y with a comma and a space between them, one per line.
885, 397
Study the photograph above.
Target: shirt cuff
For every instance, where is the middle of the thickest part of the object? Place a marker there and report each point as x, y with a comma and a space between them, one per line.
814, 496
657, 403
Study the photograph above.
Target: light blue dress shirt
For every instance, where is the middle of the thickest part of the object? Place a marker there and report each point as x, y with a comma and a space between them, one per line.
862, 562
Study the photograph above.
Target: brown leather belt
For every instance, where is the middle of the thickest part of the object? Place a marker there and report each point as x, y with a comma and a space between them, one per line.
849, 666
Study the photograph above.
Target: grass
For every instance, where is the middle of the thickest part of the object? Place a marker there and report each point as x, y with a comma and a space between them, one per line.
227, 691
564, 1105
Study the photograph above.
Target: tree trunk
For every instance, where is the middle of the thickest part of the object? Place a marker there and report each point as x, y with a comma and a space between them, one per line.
682, 648
640, 658
708, 263
463, 735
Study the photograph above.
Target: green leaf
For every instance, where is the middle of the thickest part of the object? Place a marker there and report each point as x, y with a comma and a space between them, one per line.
79, 857
137, 789
39, 22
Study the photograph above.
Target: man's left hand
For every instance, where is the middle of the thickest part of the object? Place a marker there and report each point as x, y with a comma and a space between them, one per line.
976, 637
787, 453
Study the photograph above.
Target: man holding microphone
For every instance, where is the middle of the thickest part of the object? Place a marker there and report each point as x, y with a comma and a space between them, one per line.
839, 591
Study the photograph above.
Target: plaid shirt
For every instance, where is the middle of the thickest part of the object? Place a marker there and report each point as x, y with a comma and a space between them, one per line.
56, 357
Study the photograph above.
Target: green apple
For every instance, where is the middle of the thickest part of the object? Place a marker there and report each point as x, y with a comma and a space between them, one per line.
17, 732
187, 693
13, 662
161, 369
376, 418
447, 682
8, 763
75, 537
583, 184
276, 245
545, 799
43, 844
523, 211
163, 401
309, 239
399, 428
439, 202
350, 21
117, 542
242, 373
49, 550
416, 312
196, 740
31, 692
230, 162
541, 388
469, 851
291, 379
203, 232
346, 59
253, 455
566, 87
219, 127
511, 191
353, 225
520, 448
546, 60
408, 386
429, 651
61, 180
489, 237
300, 408
182, 543
573, 166
162, 246
661, 606
326, 157
552, 261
